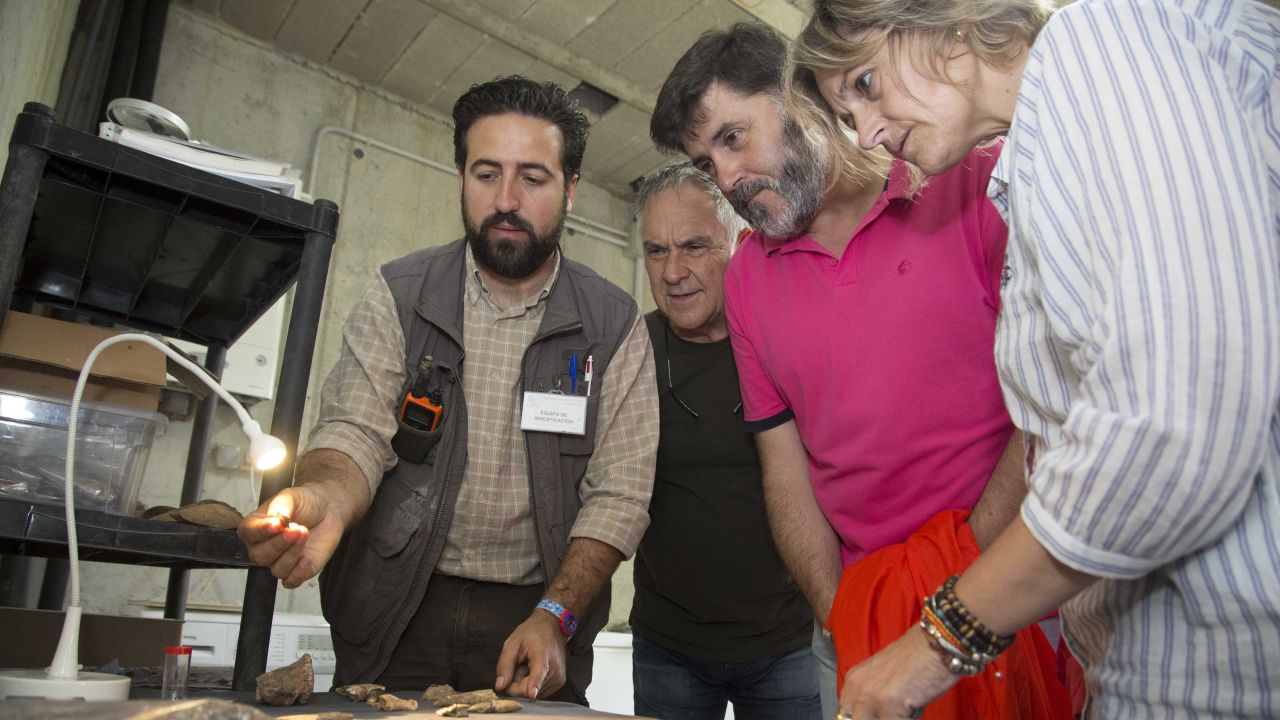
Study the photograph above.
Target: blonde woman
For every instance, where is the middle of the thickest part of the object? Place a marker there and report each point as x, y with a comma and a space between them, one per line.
1139, 338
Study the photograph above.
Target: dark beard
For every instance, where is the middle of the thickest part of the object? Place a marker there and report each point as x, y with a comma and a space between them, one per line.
801, 185
507, 257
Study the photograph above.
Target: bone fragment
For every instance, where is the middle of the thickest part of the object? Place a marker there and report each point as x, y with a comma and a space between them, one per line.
389, 702
361, 692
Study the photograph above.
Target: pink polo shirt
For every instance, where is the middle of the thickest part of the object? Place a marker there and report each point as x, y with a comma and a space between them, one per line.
884, 356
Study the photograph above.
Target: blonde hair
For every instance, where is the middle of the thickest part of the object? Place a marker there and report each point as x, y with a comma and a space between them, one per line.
842, 34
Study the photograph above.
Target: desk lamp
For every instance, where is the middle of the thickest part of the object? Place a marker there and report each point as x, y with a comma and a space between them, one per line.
63, 680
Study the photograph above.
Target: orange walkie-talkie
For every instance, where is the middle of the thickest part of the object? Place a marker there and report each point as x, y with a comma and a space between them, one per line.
421, 408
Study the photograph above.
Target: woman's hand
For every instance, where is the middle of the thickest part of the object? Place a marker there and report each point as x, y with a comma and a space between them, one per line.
896, 682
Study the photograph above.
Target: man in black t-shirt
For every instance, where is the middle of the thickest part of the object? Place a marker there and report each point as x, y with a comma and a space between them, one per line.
716, 616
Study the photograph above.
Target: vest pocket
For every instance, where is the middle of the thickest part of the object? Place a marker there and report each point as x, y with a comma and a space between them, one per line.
377, 571
399, 519
415, 445
583, 444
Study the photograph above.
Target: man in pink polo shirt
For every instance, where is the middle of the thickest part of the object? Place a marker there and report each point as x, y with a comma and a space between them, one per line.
862, 318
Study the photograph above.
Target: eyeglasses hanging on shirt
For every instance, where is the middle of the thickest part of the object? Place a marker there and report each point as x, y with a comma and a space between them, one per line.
666, 349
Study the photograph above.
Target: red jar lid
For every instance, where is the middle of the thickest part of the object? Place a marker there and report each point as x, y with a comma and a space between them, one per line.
177, 650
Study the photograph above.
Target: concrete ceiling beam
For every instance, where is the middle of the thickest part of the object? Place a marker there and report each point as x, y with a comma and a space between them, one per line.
552, 54
780, 14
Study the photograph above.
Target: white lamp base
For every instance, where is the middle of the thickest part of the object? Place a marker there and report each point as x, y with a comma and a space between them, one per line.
37, 684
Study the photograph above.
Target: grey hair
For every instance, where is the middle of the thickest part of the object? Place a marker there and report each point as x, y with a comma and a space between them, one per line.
684, 173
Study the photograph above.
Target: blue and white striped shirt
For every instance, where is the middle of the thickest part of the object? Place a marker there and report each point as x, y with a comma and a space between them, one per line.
1139, 343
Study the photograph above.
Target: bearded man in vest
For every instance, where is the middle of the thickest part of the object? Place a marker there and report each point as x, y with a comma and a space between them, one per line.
471, 486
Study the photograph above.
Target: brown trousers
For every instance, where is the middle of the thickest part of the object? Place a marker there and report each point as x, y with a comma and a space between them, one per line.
456, 636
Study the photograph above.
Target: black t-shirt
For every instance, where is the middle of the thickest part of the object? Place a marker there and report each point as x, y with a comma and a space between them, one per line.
708, 578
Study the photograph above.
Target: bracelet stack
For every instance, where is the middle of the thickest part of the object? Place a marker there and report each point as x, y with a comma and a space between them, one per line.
965, 644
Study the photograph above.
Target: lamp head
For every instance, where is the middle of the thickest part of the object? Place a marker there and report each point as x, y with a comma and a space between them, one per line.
265, 451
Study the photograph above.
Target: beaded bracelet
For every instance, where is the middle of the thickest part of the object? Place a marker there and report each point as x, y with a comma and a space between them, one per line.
965, 644
944, 633
974, 637
953, 657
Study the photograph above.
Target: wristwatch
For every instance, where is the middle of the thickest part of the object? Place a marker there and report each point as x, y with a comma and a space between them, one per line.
568, 621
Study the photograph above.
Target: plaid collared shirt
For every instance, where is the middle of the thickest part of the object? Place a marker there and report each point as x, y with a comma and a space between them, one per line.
492, 536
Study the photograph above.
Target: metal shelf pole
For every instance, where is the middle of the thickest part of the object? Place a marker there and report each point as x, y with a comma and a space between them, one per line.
286, 424
175, 601
18, 191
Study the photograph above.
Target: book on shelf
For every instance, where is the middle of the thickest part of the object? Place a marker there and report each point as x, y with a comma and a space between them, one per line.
271, 175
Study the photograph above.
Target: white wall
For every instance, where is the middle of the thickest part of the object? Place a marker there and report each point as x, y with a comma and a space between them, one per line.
34, 35
237, 93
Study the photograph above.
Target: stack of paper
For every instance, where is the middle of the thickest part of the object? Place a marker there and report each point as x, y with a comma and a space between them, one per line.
267, 174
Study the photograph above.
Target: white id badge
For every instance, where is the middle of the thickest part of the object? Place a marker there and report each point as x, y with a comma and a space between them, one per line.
553, 412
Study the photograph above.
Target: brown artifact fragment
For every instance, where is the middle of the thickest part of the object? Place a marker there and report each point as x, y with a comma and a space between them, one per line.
438, 692
289, 685
466, 698
210, 513
361, 692
327, 715
496, 706
455, 710
387, 702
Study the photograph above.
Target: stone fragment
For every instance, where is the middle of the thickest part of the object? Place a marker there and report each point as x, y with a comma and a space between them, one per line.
496, 706
454, 710
289, 685
467, 698
388, 702
361, 692
328, 715
211, 514
438, 692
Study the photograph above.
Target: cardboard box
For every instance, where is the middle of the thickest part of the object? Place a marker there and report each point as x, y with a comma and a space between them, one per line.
31, 637
43, 356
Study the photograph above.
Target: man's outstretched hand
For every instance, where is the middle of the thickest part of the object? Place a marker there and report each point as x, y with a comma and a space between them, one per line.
296, 531
532, 663
294, 534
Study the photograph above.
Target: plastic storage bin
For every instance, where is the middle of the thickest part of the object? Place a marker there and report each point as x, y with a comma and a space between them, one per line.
112, 444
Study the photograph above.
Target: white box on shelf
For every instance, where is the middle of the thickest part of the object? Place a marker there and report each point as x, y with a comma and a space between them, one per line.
252, 361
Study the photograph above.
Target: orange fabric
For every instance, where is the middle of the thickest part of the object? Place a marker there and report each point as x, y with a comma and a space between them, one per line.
880, 597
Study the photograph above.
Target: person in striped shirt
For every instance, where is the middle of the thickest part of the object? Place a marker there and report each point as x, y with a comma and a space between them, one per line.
1139, 339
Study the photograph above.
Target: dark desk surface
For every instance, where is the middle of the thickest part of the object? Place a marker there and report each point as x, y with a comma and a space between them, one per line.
322, 702
329, 701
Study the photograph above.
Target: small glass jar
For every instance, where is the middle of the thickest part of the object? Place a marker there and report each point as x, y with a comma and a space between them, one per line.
177, 664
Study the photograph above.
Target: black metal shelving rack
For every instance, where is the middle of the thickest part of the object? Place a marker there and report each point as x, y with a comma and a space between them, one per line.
116, 234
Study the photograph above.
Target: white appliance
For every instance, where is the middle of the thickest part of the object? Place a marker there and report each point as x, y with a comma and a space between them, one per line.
212, 638
611, 689
251, 362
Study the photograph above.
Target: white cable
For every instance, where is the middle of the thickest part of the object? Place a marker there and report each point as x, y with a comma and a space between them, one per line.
63, 677
73, 550
255, 486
